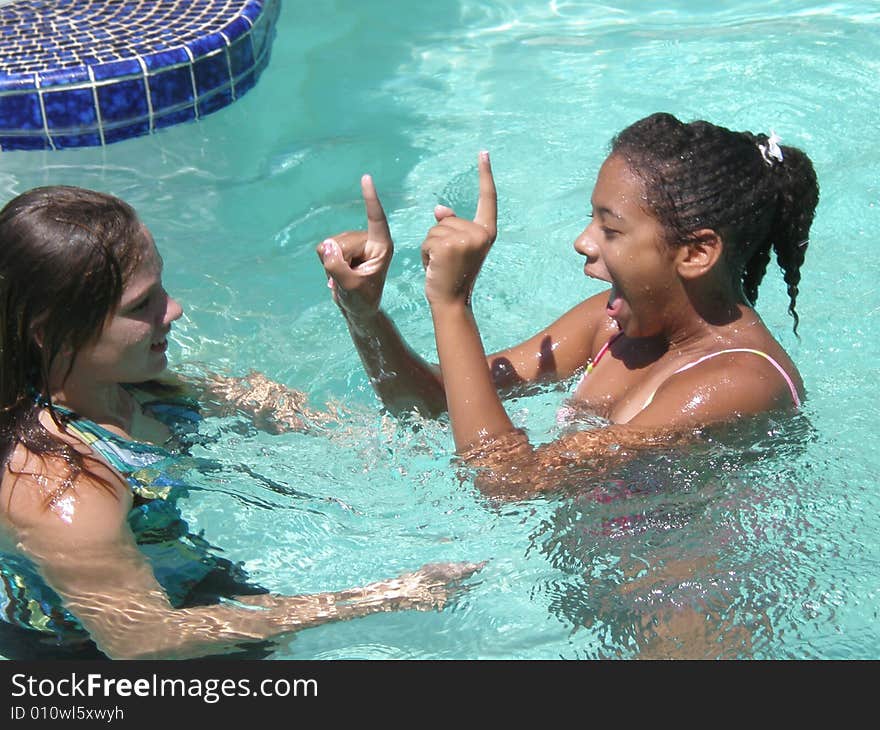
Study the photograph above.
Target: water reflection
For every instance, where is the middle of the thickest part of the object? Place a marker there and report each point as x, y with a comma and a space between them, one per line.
659, 558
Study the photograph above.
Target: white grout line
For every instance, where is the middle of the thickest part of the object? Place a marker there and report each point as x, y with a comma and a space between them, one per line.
192, 76
146, 74
97, 105
43, 111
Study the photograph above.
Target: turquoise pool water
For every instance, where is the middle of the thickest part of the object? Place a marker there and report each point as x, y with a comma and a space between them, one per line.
772, 553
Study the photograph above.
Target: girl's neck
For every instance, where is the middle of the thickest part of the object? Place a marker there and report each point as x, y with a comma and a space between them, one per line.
108, 404
710, 310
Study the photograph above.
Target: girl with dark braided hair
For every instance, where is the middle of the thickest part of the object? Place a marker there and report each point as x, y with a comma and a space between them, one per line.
685, 218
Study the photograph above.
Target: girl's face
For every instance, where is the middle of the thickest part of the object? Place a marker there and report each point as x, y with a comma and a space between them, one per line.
624, 245
132, 345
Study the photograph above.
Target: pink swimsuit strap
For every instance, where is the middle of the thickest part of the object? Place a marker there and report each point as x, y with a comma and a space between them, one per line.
602, 350
779, 368
791, 387
566, 412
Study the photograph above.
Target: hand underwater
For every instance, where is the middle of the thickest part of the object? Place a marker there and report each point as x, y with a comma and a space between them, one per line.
429, 587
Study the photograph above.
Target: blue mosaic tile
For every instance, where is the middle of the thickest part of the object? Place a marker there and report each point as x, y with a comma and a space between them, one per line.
21, 112
211, 73
71, 109
164, 59
241, 57
63, 77
252, 11
61, 56
236, 29
25, 143
245, 82
172, 88
20, 84
187, 114
129, 130
123, 101
66, 141
208, 104
116, 69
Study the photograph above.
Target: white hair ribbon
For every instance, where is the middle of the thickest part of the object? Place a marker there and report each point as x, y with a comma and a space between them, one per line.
771, 151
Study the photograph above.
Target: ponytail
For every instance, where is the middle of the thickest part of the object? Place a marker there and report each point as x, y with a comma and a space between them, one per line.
796, 204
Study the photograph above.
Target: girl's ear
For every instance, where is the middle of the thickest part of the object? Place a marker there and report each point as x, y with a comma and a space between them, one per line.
38, 332
699, 254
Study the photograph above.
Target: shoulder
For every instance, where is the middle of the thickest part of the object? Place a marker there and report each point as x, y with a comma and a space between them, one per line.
169, 388
583, 327
170, 402
590, 310
723, 386
557, 350
42, 496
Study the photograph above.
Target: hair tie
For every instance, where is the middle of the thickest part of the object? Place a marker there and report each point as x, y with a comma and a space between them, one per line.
771, 150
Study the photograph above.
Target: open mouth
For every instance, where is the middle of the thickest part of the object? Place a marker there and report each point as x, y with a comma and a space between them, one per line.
159, 346
615, 303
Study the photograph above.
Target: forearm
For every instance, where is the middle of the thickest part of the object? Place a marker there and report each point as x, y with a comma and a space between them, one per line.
510, 468
402, 379
475, 409
154, 632
272, 407
195, 632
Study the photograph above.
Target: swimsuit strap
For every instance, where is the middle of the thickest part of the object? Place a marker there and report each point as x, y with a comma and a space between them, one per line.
145, 465
565, 412
602, 350
779, 368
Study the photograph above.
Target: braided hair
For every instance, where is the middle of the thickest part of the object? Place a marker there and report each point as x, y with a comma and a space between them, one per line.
699, 175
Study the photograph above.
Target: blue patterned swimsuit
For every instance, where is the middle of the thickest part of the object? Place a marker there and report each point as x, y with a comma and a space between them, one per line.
183, 563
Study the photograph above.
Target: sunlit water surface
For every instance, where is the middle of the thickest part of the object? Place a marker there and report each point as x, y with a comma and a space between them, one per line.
765, 551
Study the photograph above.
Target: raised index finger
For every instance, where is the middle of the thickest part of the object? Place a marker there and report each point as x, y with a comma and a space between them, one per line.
487, 203
377, 223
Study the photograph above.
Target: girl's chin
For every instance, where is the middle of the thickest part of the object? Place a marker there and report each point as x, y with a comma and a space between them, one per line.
630, 325
633, 329
158, 364
619, 313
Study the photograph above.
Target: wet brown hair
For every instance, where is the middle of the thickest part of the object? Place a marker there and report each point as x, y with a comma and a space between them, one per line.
65, 253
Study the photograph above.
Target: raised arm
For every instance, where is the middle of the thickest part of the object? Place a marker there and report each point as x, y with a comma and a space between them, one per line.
86, 552
356, 263
452, 254
721, 389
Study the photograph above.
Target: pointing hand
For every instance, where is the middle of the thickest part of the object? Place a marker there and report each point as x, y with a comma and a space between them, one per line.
455, 248
356, 262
